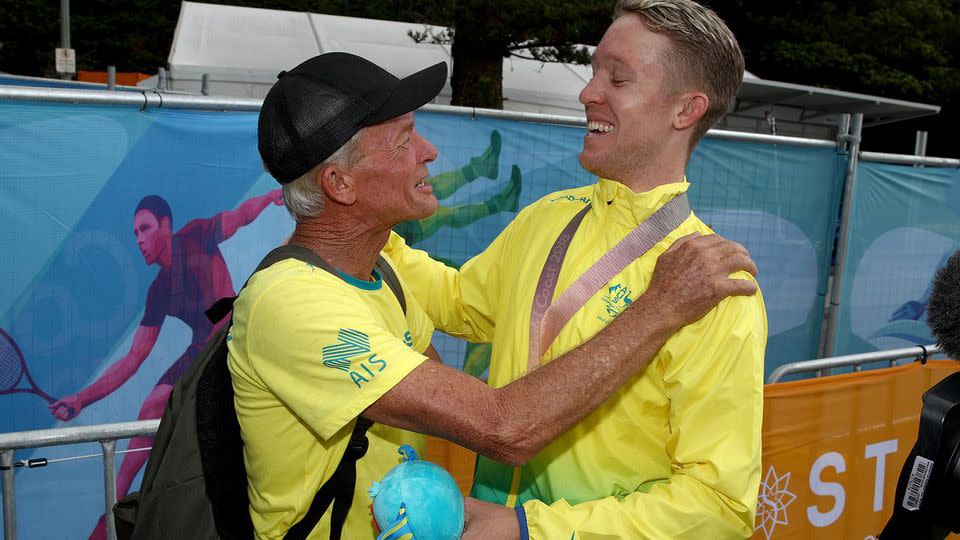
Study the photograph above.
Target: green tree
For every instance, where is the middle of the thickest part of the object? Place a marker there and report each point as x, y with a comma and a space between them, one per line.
136, 35
486, 31
900, 49
29, 31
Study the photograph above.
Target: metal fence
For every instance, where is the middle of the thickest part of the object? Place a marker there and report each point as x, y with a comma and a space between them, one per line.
146, 99
106, 434
822, 366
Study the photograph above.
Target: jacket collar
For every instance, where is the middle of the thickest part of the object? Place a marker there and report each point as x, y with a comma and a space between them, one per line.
610, 196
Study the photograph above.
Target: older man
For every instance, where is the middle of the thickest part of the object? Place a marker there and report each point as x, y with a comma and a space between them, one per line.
313, 349
676, 452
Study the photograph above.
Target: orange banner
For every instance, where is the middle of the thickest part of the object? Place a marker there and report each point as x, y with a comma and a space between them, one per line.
833, 448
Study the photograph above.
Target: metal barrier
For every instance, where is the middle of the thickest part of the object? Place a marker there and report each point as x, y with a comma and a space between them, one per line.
106, 434
855, 360
899, 159
152, 99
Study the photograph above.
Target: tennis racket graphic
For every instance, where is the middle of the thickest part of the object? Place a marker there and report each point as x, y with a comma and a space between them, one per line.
13, 369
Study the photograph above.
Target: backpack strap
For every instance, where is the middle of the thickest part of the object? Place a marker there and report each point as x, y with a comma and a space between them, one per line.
392, 281
338, 489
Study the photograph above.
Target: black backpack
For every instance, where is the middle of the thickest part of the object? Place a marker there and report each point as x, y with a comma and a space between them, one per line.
195, 483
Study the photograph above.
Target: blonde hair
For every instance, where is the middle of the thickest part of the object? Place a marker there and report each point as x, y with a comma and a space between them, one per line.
705, 54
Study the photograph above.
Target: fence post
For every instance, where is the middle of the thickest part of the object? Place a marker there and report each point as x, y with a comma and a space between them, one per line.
65, 30
9, 495
109, 485
920, 144
846, 203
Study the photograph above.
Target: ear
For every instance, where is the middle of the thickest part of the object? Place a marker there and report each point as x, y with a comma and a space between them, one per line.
165, 223
337, 185
694, 106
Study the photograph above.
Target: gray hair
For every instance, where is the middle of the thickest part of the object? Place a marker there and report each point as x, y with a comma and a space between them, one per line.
304, 196
706, 55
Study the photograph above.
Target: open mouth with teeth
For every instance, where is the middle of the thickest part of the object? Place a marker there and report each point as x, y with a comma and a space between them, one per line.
599, 127
423, 185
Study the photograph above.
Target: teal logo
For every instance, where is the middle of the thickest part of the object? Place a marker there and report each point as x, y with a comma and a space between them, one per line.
408, 339
350, 345
617, 298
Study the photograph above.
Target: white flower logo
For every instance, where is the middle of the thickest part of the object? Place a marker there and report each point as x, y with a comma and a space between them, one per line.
773, 502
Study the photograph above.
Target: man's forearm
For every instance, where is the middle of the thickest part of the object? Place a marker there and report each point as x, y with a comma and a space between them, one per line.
513, 423
535, 409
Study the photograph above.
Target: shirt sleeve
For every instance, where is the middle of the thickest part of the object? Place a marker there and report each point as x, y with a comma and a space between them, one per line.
323, 353
713, 374
421, 327
462, 303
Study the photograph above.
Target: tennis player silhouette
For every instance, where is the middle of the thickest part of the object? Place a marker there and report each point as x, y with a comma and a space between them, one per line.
193, 275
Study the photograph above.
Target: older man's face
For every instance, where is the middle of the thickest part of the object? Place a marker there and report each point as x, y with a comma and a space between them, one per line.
393, 172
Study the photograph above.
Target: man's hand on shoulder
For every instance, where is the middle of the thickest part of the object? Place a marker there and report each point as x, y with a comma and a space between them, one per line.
693, 277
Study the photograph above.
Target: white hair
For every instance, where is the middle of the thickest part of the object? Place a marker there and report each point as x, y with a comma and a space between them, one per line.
304, 196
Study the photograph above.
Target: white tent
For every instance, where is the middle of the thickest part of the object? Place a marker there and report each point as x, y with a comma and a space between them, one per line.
241, 50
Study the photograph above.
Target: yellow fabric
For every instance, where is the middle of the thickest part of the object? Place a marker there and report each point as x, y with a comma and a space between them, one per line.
676, 452
296, 413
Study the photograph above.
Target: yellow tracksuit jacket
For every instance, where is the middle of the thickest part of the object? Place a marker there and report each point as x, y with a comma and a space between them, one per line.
676, 452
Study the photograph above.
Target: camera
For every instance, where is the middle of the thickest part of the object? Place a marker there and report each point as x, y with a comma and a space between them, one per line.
927, 503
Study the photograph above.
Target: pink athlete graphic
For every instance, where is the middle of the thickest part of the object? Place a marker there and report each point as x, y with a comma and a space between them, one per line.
193, 275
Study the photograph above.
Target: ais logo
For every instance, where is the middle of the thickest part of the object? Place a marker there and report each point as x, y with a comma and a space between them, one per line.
615, 301
350, 345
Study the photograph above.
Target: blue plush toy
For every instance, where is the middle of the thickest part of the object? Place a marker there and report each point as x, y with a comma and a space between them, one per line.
417, 500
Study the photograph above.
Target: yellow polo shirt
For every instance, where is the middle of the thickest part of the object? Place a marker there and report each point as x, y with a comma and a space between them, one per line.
309, 351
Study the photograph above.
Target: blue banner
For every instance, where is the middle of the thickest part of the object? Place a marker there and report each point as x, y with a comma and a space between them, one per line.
905, 223
76, 294
782, 203
96, 201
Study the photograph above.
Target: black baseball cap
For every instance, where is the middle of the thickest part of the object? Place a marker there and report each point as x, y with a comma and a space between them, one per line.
315, 108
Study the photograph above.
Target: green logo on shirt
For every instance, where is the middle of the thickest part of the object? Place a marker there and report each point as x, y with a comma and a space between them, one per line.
351, 344
615, 301
364, 373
